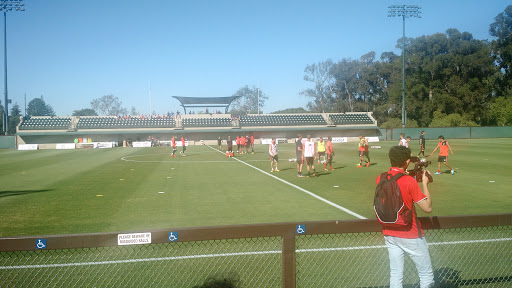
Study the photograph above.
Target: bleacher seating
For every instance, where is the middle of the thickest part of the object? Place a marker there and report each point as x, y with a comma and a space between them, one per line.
282, 120
50, 123
207, 122
350, 119
123, 123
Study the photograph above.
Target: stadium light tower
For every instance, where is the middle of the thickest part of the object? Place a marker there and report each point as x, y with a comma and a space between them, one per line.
404, 11
8, 5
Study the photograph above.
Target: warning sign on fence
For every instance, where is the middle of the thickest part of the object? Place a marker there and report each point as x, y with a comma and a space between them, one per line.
134, 238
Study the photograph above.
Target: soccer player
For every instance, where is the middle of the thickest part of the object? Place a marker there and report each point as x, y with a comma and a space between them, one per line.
298, 154
173, 143
321, 150
229, 143
330, 153
403, 141
308, 151
183, 145
237, 144
252, 143
422, 144
363, 152
408, 139
272, 150
443, 147
219, 143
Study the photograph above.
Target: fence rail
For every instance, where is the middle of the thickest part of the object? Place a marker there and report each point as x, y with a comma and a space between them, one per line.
469, 251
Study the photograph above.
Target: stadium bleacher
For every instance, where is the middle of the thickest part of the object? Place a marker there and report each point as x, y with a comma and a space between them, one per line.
207, 122
50, 123
122, 123
350, 119
282, 120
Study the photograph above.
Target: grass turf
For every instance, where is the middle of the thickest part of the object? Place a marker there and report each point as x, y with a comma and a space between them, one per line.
58, 191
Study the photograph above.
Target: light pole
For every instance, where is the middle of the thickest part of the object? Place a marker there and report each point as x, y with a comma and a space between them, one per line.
8, 5
404, 11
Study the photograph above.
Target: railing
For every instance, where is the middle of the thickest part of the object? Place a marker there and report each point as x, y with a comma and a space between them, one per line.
468, 251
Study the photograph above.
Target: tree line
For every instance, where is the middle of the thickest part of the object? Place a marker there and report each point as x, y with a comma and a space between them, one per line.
452, 79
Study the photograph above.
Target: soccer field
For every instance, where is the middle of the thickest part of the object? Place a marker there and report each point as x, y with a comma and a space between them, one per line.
123, 189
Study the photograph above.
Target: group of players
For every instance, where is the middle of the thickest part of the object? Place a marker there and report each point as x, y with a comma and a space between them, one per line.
307, 153
174, 148
442, 145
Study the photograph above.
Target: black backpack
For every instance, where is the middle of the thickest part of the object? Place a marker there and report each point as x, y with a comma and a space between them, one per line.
388, 203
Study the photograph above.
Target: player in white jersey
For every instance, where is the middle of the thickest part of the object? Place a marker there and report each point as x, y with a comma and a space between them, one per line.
308, 151
272, 150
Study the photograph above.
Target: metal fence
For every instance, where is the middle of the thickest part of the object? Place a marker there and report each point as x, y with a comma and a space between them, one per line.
466, 251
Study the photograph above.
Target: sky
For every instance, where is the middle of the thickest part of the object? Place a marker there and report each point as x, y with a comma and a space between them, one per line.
71, 52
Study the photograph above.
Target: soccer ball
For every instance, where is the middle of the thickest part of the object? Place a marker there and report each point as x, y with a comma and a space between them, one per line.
181, 152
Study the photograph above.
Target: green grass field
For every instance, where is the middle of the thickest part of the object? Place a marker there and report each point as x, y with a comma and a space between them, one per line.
106, 190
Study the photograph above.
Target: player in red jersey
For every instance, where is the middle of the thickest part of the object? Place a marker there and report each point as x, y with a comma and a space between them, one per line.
330, 153
443, 147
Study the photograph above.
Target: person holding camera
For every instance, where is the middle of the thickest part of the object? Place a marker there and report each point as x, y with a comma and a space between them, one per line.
409, 238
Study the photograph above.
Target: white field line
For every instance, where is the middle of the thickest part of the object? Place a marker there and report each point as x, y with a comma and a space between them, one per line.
299, 188
236, 254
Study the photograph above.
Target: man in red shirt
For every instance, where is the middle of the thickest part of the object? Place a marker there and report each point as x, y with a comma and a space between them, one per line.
408, 239
252, 144
330, 153
173, 143
443, 147
183, 145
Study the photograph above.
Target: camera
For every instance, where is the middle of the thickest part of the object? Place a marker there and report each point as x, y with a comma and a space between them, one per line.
419, 165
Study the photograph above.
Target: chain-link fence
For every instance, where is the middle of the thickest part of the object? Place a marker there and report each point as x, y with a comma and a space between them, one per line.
318, 254
465, 257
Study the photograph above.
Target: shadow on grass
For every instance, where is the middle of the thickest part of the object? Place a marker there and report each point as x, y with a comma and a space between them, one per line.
450, 278
21, 192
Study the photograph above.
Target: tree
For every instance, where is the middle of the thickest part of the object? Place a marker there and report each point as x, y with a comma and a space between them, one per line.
108, 105
38, 107
501, 111
85, 112
14, 119
501, 28
452, 120
291, 111
248, 101
134, 111
322, 93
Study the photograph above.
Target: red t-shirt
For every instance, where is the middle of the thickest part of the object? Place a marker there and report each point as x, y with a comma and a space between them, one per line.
328, 147
411, 192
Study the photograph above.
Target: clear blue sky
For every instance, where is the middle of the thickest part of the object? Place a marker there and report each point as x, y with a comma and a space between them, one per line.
74, 51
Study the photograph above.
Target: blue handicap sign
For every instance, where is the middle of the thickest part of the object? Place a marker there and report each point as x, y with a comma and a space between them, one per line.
173, 236
41, 243
301, 229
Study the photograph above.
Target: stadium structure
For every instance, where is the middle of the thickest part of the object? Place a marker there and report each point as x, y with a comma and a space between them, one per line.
47, 132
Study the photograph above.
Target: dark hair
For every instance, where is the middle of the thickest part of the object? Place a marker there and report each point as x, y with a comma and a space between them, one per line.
398, 155
440, 137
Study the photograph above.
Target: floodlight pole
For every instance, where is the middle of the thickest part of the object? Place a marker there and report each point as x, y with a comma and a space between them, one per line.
404, 11
5, 6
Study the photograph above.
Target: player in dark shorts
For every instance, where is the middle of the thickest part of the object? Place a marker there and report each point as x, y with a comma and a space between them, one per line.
422, 144
219, 143
298, 151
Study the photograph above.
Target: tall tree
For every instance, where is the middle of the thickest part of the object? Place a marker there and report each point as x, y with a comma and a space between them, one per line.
322, 93
85, 112
14, 118
501, 28
248, 101
38, 107
108, 105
